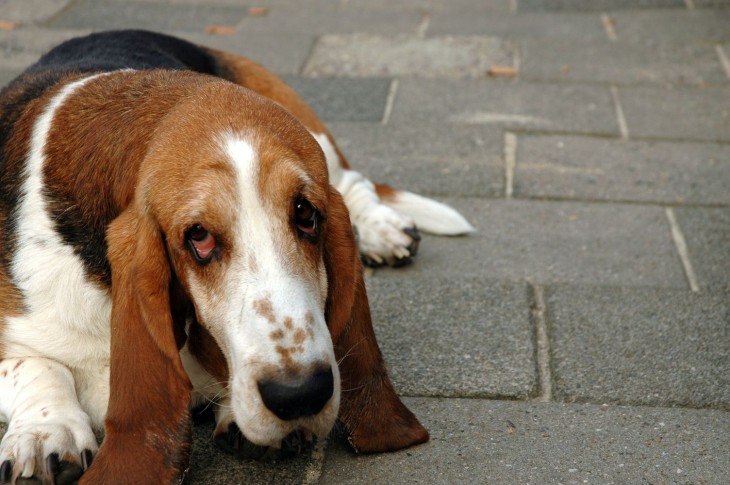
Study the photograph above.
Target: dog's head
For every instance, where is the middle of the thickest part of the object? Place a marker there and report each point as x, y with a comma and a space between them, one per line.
235, 242
245, 212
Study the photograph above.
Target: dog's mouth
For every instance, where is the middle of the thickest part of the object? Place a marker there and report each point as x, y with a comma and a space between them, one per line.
235, 443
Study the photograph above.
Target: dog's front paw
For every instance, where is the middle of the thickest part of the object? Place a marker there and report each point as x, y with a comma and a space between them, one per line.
385, 237
47, 451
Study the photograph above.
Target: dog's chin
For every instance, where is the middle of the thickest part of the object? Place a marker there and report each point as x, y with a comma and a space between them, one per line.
235, 443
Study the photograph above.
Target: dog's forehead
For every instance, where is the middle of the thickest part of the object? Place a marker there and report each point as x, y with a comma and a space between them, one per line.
224, 158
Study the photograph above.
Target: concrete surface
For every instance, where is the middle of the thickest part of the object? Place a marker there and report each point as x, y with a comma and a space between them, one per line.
582, 335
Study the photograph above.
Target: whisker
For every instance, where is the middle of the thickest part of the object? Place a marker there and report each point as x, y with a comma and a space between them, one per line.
349, 351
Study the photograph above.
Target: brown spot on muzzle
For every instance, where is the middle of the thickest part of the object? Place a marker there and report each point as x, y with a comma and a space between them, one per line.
300, 336
265, 309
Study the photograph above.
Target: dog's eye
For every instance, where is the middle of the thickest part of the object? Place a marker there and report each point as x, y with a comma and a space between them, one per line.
306, 218
201, 243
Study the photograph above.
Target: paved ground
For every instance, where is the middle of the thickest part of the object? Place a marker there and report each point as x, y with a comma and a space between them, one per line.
582, 335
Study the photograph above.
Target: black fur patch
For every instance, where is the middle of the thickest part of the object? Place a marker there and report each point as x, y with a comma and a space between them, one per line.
126, 49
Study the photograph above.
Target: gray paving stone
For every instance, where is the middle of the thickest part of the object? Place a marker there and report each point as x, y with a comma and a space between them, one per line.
8, 75
550, 107
22, 47
460, 336
497, 442
355, 5
319, 4
640, 346
102, 14
615, 170
621, 62
707, 232
712, 3
31, 12
595, 5
677, 113
550, 242
429, 5
672, 24
514, 27
343, 99
333, 21
427, 158
407, 55
282, 54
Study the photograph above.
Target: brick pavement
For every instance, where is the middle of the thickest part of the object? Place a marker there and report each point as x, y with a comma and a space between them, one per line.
582, 335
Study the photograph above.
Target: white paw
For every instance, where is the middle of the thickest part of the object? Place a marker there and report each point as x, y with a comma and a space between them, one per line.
385, 236
54, 447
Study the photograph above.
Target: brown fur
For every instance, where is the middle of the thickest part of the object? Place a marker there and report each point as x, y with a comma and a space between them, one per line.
144, 356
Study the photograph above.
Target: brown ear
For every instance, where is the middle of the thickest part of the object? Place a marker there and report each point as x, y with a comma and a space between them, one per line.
148, 429
373, 416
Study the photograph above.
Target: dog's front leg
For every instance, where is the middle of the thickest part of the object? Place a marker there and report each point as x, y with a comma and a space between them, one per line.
49, 436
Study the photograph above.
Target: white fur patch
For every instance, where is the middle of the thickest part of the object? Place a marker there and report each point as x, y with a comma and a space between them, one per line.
67, 316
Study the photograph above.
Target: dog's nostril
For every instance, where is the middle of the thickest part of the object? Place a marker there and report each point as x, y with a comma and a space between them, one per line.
298, 398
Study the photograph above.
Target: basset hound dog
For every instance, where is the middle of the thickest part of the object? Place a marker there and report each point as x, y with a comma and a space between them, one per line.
177, 229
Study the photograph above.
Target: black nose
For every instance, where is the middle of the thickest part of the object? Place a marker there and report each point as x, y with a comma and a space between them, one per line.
298, 398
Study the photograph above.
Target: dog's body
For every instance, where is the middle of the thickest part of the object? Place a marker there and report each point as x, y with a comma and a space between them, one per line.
199, 218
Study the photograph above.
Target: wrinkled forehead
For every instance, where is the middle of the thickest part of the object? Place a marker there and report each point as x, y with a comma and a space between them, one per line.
223, 136
268, 173
238, 174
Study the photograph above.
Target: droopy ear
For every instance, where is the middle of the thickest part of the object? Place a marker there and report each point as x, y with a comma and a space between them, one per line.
148, 427
373, 416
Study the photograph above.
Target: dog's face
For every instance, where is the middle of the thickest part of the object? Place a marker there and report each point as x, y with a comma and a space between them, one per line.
243, 208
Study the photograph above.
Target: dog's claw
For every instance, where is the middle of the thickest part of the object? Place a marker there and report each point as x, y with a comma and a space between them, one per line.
86, 458
416, 236
52, 462
413, 232
6, 469
371, 262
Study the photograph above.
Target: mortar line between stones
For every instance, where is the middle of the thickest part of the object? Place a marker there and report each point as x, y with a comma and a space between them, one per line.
690, 4
313, 471
723, 59
544, 376
608, 27
623, 127
423, 26
389, 102
681, 245
510, 160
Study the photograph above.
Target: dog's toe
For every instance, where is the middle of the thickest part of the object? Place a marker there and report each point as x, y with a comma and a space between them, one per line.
386, 237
